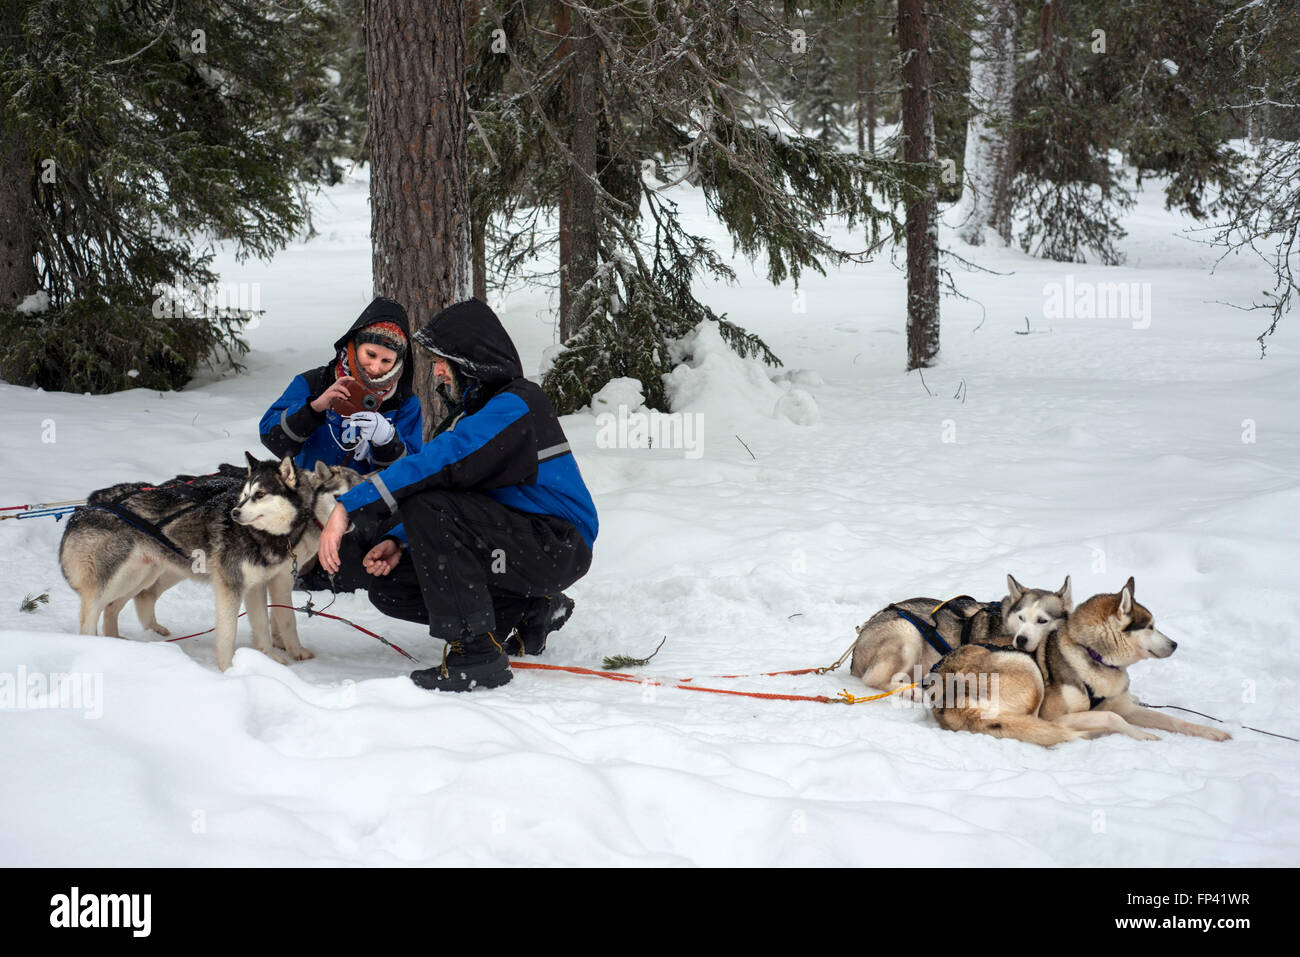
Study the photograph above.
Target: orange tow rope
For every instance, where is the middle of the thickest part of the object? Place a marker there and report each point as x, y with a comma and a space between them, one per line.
682, 684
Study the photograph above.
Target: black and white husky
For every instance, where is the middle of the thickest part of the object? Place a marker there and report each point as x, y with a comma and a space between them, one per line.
243, 534
892, 648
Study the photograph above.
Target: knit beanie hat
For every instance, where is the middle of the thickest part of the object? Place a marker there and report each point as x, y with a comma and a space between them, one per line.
383, 334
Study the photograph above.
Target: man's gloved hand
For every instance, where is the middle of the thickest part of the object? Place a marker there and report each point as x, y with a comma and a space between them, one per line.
372, 427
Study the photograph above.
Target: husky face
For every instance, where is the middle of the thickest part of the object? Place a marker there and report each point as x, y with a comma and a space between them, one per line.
269, 500
1122, 631
1033, 613
331, 482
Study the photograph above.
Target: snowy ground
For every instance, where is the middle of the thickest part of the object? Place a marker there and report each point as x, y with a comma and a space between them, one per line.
1094, 447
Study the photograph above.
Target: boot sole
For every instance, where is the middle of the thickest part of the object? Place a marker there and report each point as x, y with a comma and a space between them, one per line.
430, 679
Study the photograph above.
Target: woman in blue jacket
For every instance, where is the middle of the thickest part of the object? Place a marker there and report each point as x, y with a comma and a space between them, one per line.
373, 354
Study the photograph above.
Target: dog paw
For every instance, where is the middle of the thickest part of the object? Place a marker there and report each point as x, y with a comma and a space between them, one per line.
1214, 734
1141, 735
158, 629
302, 654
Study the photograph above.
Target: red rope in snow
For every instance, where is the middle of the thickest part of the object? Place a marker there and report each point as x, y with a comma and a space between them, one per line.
680, 683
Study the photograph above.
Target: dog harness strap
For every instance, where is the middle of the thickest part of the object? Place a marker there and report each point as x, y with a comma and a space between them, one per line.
284, 424
1099, 659
1093, 700
144, 525
928, 631
966, 627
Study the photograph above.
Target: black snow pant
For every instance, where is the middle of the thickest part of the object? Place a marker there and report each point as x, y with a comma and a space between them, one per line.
472, 563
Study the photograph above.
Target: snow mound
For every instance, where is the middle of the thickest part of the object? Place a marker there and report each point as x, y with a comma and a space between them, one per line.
617, 393
804, 377
712, 379
549, 355
37, 302
799, 407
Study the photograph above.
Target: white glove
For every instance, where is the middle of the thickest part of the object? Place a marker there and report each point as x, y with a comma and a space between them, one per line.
372, 427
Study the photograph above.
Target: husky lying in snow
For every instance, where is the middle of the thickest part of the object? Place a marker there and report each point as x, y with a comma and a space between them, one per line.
243, 534
889, 644
1075, 685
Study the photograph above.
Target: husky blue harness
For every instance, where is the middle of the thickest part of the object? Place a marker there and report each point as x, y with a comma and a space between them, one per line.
144, 525
931, 633
184, 485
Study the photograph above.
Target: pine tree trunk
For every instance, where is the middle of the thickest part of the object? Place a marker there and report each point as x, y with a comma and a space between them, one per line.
17, 222
921, 213
419, 181
857, 87
583, 142
578, 213
564, 30
988, 164
871, 77
480, 260
478, 228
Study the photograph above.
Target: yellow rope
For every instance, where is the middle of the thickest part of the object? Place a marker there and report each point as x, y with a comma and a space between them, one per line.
935, 611
851, 699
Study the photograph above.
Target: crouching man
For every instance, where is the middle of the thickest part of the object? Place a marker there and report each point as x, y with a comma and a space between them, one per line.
479, 531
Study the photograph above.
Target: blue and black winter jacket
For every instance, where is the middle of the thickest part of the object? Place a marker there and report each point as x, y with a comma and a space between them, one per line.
507, 444
292, 427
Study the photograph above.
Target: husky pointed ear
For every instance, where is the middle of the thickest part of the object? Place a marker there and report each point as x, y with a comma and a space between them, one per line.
288, 474
1132, 589
1014, 588
1064, 594
252, 462
321, 471
1126, 599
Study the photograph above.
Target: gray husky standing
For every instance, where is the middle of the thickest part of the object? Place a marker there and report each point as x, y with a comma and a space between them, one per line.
244, 536
891, 644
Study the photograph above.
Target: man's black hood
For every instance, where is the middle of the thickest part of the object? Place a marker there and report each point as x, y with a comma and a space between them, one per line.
382, 309
470, 335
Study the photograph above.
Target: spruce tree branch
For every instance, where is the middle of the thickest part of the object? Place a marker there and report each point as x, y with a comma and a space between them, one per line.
166, 23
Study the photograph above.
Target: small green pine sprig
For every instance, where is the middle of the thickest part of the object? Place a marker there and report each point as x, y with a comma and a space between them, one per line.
617, 662
29, 603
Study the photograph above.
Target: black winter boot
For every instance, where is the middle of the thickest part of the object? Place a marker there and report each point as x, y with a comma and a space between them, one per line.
545, 614
473, 662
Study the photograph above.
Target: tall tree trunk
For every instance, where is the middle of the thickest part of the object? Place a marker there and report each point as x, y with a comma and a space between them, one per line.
990, 157
583, 142
578, 210
17, 221
480, 260
857, 86
564, 30
419, 181
871, 76
921, 213
478, 227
